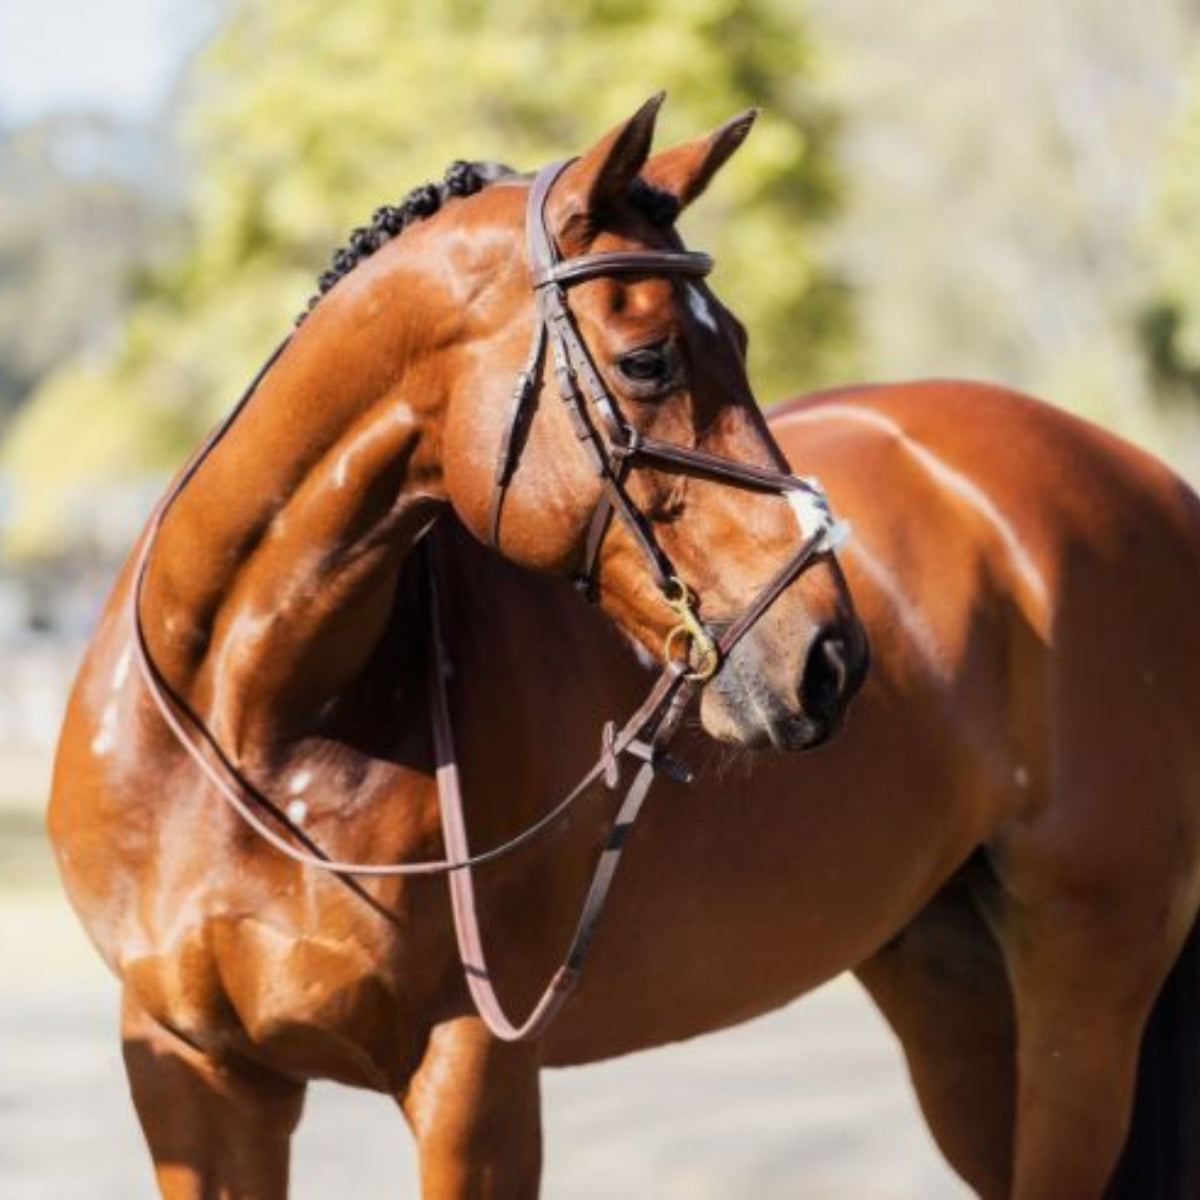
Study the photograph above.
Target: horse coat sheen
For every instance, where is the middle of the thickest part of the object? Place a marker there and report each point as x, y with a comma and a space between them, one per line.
1005, 837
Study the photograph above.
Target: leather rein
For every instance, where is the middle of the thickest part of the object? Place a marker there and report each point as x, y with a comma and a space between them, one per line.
644, 735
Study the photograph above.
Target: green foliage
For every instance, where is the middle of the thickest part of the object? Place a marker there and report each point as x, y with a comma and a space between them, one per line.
304, 116
1170, 320
74, 218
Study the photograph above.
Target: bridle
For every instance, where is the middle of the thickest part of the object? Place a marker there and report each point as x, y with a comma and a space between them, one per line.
644, 735
620, 447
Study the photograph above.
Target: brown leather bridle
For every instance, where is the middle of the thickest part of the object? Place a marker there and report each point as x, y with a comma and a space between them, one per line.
620, 447
644, 735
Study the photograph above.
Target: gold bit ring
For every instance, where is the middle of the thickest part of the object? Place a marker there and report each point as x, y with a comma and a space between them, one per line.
699, 640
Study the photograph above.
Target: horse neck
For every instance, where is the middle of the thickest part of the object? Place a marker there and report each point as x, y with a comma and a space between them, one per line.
273, 578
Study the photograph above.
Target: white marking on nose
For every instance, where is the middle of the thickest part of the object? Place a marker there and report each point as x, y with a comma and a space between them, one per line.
297, 810
700, 307
298, 784
1021, 776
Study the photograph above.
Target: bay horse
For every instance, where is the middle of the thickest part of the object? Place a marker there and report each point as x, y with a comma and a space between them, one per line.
1003, 844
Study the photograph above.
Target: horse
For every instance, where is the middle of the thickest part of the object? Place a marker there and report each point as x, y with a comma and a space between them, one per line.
1001, 844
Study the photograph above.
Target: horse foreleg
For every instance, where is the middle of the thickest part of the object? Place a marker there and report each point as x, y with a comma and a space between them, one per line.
474, 1106
216, 1131
943, 988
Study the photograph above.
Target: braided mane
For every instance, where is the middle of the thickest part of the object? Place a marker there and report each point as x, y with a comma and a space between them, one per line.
461, 179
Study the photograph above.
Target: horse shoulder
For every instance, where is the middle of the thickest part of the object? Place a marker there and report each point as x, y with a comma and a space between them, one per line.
216, 936
1020, 558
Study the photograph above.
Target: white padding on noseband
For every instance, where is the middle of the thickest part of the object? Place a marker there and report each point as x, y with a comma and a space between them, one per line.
813, 516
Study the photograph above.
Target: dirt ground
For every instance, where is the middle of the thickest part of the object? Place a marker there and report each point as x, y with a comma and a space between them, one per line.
810, 1102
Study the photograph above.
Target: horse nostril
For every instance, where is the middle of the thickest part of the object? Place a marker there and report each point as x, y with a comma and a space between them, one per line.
823, 684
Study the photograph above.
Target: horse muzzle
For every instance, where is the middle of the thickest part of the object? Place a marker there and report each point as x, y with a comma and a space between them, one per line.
747, 702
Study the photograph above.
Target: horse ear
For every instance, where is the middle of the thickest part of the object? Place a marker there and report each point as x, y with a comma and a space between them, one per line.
685, 170
601, 177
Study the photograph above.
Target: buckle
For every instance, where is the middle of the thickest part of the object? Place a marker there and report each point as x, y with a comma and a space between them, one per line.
675, 769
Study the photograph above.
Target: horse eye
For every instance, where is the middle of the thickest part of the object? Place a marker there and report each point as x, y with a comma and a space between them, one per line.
647, 365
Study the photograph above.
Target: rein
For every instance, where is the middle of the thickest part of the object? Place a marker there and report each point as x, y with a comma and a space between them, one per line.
645, 734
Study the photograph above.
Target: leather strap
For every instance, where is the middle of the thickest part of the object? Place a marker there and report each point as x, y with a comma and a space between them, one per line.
810, 549
712, 466
624, 262
658, 717
513, 441
246, 800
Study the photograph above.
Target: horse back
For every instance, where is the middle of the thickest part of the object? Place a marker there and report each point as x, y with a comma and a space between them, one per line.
1065, 522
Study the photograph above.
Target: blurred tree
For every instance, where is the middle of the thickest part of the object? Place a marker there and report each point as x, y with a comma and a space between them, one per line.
1002, 160
78, 207
1170, 318
305, 116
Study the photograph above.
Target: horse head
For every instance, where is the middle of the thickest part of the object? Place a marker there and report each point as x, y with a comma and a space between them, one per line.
578, 286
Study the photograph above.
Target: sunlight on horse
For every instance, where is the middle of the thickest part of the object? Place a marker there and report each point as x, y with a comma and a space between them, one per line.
1001, 844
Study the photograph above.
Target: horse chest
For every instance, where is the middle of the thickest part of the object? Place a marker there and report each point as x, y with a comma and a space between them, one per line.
311, 1004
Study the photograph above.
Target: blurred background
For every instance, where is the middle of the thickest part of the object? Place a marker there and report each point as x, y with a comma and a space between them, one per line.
1002, 191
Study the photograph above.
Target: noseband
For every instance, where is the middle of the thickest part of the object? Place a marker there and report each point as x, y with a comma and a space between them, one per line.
614, 447
692, 652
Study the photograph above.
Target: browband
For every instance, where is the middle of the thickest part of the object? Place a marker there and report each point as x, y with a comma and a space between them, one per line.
624, 262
